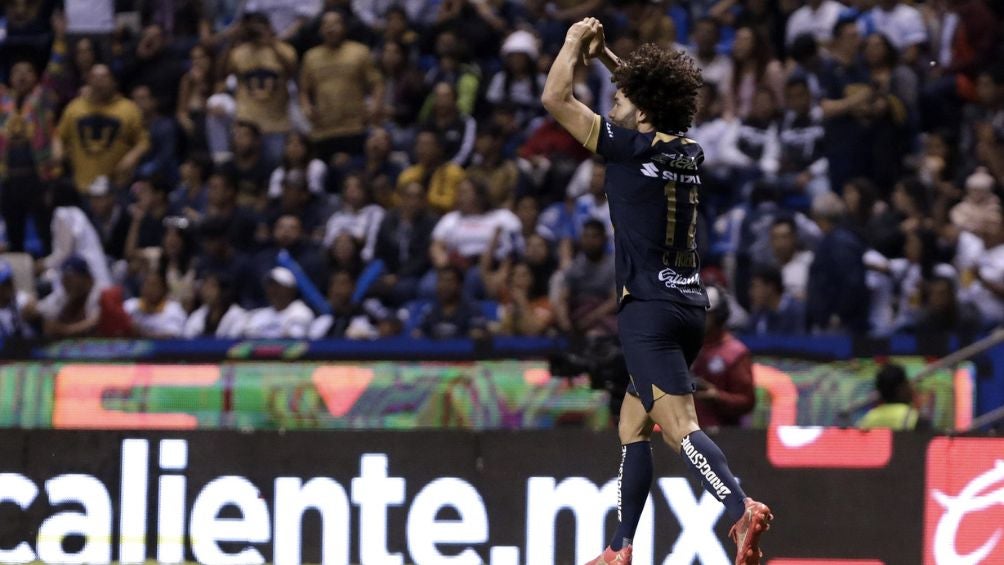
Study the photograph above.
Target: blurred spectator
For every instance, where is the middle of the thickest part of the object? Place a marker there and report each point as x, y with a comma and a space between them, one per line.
754, 69
789, 256
343, 255
431, 169
981, 265
83, 56
549, 157
803, 164
218, 256
14, 305
285, 316
586, 304
941, 312
109, 217
250, 166
154, 314
347, 319
378, 169
295, 199
154, 65
450, 315
221, 202
896, 299
491, 167
71, 309
979, 206
462, 236
864, 208
901, 23
527, 209
772, 310
177, 259
298, 155
888, 75
194, 90
895, 410
750, 146
162, 158
837, 294
147, 214
101, 133
288, 236
190, 197
27, 126
402, 244
524, 310
519, 82
451, 67
263, 65
357, 216
716, 68
219, 315
815, 17
723, 369
73, 236
455, 129
845, 94
286, 17
403, 90
336, 78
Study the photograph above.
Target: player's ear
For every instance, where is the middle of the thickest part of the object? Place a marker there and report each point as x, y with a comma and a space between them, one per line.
641, 116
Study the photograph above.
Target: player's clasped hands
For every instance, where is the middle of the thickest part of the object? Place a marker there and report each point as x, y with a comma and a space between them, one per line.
589, 33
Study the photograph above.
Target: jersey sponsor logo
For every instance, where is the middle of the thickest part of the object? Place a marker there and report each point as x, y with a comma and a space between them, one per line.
964, 506
651, 170
700, 462
686, 284
676, 161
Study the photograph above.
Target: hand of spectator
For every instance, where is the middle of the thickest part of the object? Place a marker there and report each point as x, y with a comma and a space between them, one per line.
192, 214
136, 212
389, 280
125, 168
705, 390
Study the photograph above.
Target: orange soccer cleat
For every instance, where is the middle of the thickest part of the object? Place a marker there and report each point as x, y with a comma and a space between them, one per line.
747, 530
611, 557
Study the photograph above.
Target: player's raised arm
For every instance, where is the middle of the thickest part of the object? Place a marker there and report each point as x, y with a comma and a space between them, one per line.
557, 97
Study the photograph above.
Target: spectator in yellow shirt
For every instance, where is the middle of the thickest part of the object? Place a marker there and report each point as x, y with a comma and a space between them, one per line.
101, 132
335, 80
263, 66
439, 177
896, 410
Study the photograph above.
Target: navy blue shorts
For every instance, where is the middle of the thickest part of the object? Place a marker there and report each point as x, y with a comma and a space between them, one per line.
661, 339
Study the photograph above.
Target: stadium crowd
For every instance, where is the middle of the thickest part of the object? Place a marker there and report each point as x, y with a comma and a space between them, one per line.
364, 168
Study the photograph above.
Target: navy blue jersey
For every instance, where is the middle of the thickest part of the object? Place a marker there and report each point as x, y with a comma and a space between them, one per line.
653, 183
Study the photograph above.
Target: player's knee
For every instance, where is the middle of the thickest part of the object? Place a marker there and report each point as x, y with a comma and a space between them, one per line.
630, 432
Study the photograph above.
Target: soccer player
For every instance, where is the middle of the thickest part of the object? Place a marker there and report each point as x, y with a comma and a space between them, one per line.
652, 184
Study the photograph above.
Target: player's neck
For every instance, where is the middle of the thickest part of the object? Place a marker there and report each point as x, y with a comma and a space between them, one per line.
645, 127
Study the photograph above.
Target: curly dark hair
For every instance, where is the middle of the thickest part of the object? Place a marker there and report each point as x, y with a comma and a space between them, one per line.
662, 83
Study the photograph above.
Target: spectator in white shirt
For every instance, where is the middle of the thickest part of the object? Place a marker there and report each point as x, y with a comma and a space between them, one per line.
357, 217
286, 316
793, 262
298, 155
153, 314
73, 235
219, 315
816, 17
461, 236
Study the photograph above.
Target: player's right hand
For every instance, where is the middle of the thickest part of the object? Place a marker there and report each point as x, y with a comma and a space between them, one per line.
583, 31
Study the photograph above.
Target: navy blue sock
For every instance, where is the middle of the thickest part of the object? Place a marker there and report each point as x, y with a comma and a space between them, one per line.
707, 460
633, 485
